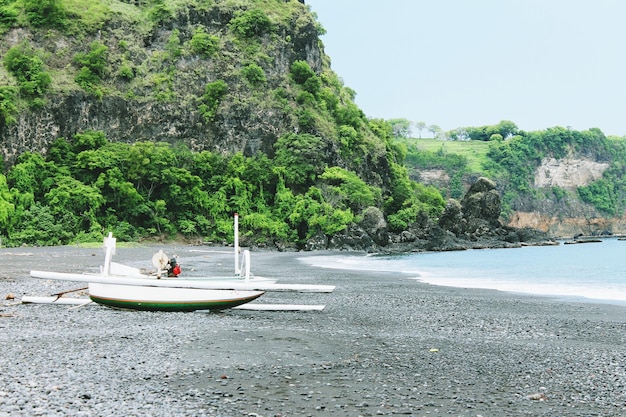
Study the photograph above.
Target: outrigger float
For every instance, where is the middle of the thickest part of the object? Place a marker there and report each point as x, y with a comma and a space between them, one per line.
124, 287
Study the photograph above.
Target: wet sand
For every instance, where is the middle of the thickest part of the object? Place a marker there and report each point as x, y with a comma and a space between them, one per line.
384, 345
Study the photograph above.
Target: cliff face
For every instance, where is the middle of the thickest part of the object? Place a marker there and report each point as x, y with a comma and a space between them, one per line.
567, 227
153, 84
564, 217
567, 217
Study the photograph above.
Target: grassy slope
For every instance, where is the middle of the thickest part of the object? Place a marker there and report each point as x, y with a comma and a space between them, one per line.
475, 151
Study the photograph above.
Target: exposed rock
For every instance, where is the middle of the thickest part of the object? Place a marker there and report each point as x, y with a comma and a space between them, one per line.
353, 238
375, 225
568, 226
568, 172
452, 217
472, 223
482, 201
317, 242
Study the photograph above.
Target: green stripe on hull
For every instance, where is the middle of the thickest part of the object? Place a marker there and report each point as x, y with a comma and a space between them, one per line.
171, 306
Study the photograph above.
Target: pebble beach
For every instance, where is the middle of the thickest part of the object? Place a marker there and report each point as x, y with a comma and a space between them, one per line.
384, 345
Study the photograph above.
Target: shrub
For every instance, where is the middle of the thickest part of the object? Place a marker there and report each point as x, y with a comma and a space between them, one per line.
313, 84
45, 13
172, 46
254, 74
93, 68
251, 23
95, 60
347, 189
160, 13
213, 94
301, 72
8, 16
24, 64
126, 72
202, 43
8, 96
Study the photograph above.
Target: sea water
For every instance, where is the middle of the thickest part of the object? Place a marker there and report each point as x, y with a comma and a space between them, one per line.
594, 271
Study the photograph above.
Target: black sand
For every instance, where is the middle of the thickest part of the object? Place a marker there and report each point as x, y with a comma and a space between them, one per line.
384, 345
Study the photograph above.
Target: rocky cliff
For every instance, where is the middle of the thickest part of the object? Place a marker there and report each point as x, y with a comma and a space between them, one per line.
153, 85
225, 77
567, 217
564, 217
160, 101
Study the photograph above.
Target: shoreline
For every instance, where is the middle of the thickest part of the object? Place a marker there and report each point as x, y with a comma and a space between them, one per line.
384, 345
345, 263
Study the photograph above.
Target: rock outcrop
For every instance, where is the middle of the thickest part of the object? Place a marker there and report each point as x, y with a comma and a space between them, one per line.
160, 101
472, 223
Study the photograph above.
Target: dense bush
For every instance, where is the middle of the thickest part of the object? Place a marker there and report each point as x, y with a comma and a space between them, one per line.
8, 15
254, 74
159, 12
93, 66
8, 106
25, 64
301, 72
45, 13
213, 94
251, 23
202, 43
87, 186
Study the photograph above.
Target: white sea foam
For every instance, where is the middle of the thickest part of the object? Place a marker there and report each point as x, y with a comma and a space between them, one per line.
592, 271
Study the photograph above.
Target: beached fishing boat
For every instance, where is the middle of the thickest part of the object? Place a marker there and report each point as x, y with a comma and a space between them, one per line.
122, 286
135, 297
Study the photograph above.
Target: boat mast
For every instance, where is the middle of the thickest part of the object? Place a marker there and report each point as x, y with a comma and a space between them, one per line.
237, 271
109, 246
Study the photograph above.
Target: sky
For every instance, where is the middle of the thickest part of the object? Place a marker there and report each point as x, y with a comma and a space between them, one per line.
462, 63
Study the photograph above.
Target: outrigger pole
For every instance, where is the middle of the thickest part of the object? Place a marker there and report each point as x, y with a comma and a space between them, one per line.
236, 244
182, 283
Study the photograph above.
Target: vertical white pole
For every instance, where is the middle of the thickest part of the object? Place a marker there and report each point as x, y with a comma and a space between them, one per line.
109, 244
236, 243
246, 258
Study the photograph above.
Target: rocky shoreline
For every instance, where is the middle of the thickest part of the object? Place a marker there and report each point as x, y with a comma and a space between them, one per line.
384, 345
472, 223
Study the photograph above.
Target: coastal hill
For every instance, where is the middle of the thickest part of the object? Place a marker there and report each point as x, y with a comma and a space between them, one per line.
561, 181
155, 119
214, 75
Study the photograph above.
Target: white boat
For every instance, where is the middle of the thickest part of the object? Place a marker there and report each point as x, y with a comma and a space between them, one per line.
135, 297
122, 286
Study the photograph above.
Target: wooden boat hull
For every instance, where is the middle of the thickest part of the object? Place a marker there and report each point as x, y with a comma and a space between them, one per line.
81, 302
168, 299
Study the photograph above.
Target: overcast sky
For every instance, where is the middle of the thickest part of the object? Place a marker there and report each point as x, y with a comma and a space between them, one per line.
458, 63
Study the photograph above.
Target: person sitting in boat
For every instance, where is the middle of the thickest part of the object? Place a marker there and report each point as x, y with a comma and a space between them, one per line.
173, 268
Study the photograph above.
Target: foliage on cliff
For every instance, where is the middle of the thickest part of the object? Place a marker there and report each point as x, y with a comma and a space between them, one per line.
153, 117
512, 161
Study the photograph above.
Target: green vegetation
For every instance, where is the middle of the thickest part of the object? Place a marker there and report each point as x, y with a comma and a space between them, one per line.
8, 107
93, 67
251, 23
234, 75
45, 13
473, 152
511, 157
87, 186
204, 44
254, 74
213, 94
27, 66
8, 15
